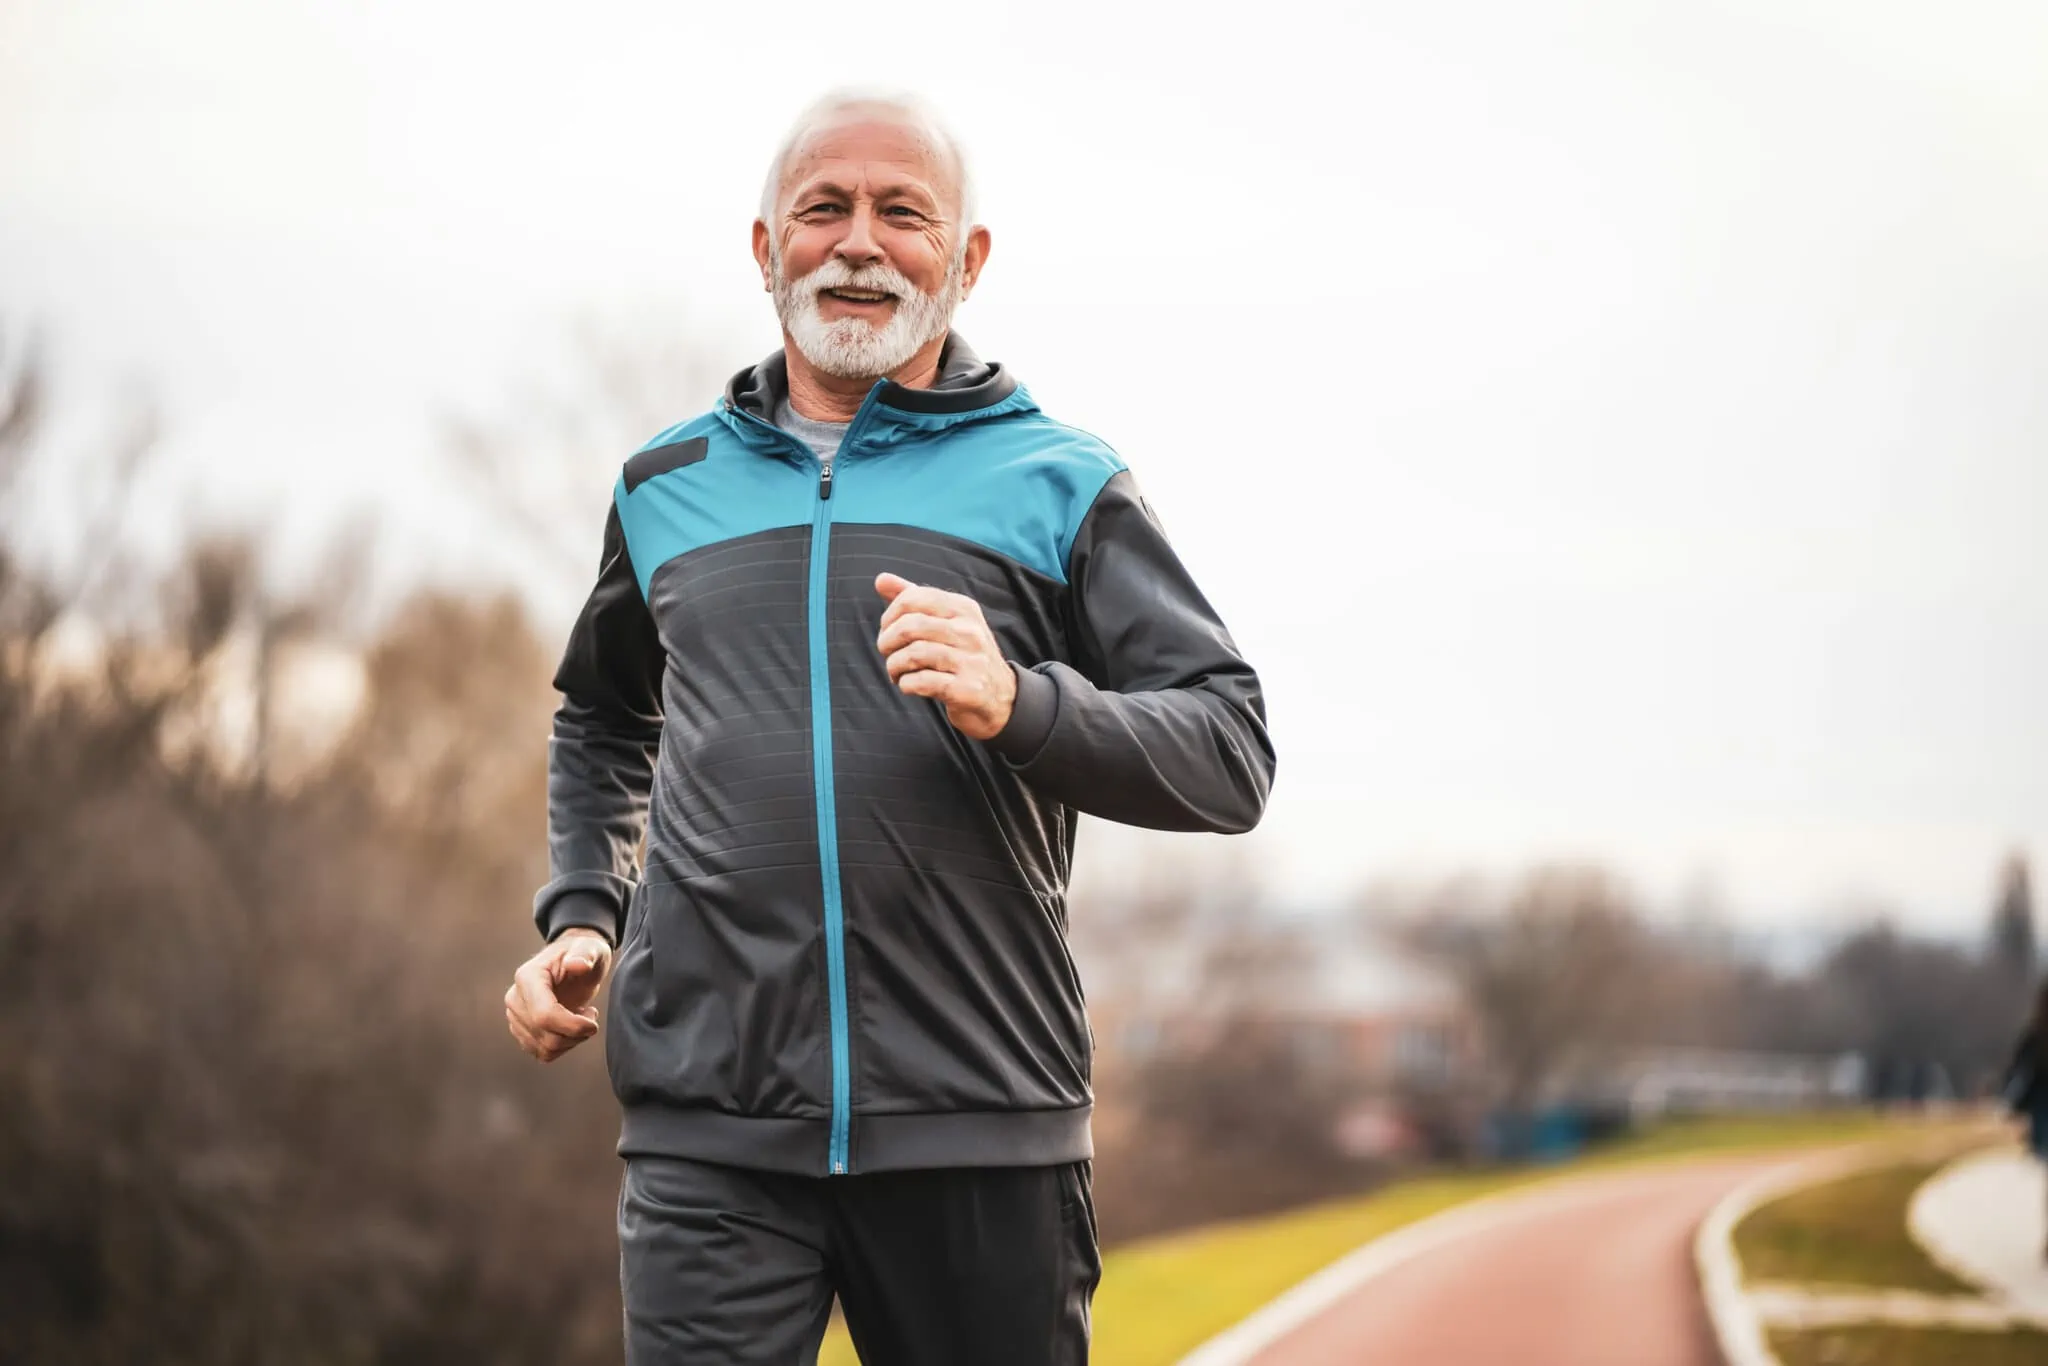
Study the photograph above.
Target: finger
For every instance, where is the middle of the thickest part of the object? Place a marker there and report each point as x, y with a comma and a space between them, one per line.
889, 585
558, 1044
920, 626
512, 1020
576, 963
932, 602
542, 1012
941, 687
566, 1026
548, 1046
521, 1034
536, 1046
530, 1038
536, 993
925, 654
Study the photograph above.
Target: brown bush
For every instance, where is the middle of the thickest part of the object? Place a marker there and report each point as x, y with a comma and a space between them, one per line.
258, 1103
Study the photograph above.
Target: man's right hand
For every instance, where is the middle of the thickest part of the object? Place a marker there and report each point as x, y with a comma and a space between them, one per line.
548, 1007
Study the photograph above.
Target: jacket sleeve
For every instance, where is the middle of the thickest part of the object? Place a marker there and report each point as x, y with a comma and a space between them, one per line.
1159, 722
601, 756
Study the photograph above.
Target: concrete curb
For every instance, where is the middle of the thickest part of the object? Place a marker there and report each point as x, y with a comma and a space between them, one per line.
1738, 1328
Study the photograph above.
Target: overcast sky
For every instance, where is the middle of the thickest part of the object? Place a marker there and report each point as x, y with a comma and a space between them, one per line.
1615, 431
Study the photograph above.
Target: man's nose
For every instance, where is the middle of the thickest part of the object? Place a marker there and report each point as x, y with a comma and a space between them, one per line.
859, 247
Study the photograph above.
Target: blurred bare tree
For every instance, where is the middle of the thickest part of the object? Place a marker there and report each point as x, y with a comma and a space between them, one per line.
558, 449
1208, 1105
2013, 951
1566, 971
1928, 1015
1559, 970
257, 1102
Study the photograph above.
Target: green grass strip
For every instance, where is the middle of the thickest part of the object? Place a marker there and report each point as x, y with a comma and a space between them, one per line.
1847, 1232
1909, 1347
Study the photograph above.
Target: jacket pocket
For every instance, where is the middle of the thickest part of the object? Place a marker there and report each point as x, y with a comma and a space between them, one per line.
721, 1001
964, 998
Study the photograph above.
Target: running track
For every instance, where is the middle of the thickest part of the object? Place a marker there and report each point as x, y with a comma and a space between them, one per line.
1596, 1271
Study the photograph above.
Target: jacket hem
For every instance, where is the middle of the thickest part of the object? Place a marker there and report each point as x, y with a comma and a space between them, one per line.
973, 1138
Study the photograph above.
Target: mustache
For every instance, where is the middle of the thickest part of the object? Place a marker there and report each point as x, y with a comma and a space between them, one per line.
874, 277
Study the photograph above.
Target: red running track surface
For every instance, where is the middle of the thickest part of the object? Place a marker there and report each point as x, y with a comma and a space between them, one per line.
1594, 1272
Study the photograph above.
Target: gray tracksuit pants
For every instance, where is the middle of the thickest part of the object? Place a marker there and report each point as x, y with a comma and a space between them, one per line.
724, 1266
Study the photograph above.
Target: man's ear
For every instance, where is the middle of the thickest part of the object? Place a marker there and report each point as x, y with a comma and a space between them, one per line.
978, 243
762, 256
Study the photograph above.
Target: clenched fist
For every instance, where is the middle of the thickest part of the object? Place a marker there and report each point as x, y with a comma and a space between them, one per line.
548, 1008
938, 645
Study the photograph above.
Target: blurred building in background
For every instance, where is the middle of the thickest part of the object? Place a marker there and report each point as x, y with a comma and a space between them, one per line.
1385, 1035
1652, 1084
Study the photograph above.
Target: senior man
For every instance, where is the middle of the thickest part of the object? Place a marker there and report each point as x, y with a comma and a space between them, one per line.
866, 640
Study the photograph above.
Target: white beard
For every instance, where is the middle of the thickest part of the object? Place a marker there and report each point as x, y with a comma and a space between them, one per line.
854, 348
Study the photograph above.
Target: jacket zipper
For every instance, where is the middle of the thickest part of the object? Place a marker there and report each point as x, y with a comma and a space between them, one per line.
836, 1156
828, 818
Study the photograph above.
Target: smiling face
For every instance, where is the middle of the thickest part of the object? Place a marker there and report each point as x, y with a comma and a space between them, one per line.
864, 247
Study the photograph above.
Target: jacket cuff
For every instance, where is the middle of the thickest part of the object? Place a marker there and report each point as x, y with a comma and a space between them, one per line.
581, 910
1032, 714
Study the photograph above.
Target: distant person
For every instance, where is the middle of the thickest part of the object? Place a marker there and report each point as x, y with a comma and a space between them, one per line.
2026, 1080
867, 639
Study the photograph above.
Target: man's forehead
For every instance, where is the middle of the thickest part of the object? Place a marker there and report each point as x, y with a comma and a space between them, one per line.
870, 143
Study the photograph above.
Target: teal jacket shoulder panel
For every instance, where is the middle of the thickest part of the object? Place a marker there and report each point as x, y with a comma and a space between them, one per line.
699, 483
981, 464
1007, 478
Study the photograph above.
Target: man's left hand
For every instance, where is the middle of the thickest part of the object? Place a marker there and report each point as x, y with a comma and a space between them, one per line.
938, 645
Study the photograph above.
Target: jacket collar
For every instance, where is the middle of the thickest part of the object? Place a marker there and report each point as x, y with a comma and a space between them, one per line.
966, 384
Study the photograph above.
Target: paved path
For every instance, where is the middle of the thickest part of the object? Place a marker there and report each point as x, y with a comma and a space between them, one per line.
1597, 1271
1986, 1219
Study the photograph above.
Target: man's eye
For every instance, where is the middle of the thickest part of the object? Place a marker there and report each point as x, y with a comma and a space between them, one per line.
902, 211
817, 209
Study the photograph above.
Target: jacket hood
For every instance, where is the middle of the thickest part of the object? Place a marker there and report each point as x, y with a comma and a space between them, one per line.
967, 387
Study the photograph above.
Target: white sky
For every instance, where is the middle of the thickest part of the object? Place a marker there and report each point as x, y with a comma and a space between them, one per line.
1614, 430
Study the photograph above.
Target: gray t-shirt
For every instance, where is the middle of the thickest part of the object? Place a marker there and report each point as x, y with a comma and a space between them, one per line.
822, 437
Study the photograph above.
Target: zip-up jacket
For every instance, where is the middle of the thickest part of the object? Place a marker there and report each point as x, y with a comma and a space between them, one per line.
847, 949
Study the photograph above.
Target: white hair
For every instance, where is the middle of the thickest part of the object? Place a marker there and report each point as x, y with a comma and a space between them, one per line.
908, 110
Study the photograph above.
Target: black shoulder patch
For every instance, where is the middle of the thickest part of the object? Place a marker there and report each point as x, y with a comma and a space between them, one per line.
662, 459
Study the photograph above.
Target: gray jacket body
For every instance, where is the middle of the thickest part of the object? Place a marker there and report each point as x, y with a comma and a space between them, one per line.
846, 950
